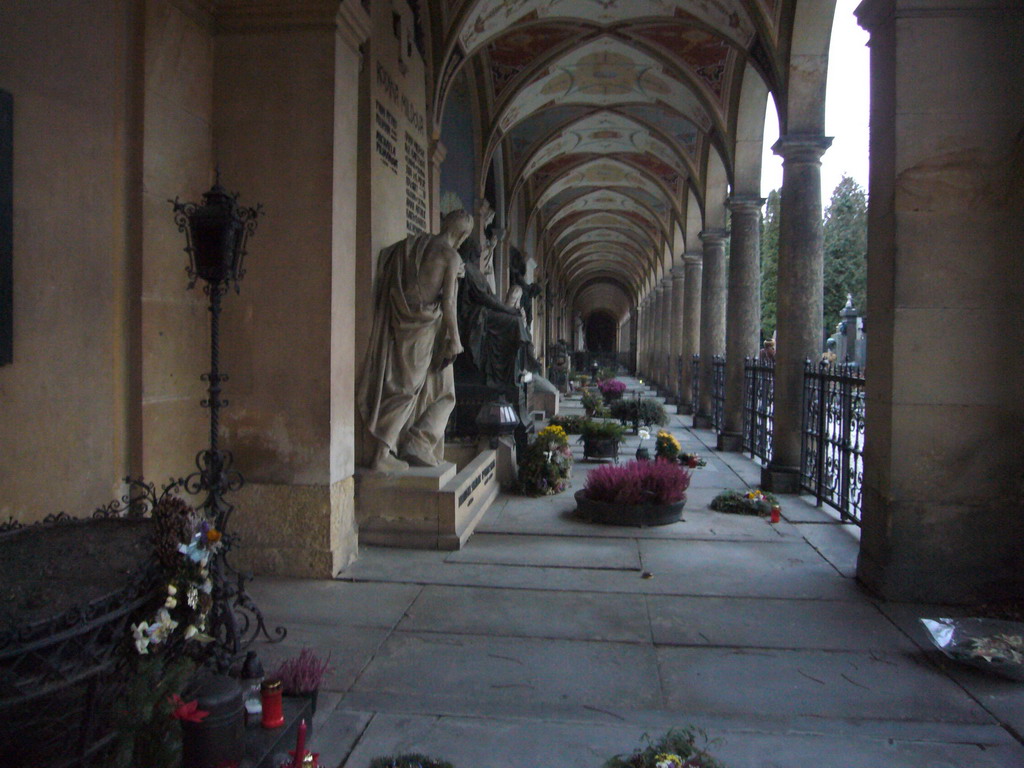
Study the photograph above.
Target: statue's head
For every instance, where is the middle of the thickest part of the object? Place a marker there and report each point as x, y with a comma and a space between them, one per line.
458, 224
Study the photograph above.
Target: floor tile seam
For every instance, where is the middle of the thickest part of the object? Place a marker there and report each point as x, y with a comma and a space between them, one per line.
654, 593
359, 737
440, 706
584, 568
780, 537
380, 644
873, 654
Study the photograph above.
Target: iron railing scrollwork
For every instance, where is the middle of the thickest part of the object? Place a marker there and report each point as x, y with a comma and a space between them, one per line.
758, 407
832, 446
694, 383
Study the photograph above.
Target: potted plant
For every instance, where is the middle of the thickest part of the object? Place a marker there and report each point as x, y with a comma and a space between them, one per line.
571, 424
678, 748
611, 389
546, 463
601, 439
303, 675
666, 446
755, 502
639, 410
640, 493
692, 460
593, 403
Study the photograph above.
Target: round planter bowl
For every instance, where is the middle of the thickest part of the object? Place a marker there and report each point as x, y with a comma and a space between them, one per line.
638, 516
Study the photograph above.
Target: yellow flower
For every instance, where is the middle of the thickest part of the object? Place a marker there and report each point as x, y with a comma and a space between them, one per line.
213, 535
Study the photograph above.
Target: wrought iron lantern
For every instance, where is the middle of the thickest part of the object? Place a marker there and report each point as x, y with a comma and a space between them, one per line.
497, 418
216, 232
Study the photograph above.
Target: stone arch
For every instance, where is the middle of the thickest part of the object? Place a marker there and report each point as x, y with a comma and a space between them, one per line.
802, 110
750, 133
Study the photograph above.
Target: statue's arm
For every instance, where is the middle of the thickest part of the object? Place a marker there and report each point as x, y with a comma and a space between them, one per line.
449, 314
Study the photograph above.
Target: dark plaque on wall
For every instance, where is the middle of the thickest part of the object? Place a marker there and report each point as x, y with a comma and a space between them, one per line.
6, 226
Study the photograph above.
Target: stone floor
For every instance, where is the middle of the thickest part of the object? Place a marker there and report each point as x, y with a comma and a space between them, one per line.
541, 644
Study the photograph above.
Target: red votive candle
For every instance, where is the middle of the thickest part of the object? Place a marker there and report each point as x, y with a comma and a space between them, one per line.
273, 707
776, 514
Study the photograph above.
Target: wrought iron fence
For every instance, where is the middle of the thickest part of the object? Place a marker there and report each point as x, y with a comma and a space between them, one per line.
832, 448
694, 383
758, 407
717, 392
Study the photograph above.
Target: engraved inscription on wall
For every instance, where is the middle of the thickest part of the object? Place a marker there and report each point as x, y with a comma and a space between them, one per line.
415, 186
387, 137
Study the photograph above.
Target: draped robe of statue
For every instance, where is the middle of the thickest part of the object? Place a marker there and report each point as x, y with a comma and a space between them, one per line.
407, 391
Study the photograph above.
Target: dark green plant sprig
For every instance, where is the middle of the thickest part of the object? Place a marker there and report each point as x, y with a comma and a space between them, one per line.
409, 761
738, 503
645, 411
678, 742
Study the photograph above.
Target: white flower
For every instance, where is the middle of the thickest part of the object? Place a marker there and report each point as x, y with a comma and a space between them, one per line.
172, 590
644, 434
190, 631
171, 602
163, 628
141, 638
193, 597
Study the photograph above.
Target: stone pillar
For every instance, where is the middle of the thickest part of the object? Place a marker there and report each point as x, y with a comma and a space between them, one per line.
664, 339
292, 435
800, 292
644, 371
743, 317
942, 515
712, 318
438, 152
693, 266
676, 329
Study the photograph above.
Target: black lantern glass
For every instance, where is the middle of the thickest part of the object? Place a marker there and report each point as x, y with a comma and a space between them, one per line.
497, 418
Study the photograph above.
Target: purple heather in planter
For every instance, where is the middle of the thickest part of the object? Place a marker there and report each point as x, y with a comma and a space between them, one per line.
611, 387
303, 673
638, 482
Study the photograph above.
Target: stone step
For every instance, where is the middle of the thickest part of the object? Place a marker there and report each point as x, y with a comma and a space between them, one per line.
268, 748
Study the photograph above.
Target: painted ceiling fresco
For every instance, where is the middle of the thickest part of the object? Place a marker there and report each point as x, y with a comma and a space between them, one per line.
607, 115
490, 17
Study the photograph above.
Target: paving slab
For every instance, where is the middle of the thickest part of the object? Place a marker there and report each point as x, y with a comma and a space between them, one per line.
838, 684
463, 670
336, 735
336, 603
773, 623
529, 613
555, 552
839, 544
350, 650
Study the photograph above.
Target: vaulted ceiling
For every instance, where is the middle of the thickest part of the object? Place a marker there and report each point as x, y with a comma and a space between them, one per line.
614, 122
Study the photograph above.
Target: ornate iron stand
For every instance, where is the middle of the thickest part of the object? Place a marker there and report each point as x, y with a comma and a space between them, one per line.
216, 233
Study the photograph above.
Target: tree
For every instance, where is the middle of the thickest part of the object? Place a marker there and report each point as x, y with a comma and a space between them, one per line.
769, 262
846, 236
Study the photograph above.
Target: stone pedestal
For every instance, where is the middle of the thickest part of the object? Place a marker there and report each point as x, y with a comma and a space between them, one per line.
425, 507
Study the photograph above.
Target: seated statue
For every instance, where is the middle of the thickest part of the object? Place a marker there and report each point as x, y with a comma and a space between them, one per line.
496, 337
407, 390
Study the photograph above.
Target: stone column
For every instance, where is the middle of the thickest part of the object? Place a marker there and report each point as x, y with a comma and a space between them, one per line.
693, 266
438, 152
676, 329
800, 292
942, 515
659, 332
712, 318
743, 317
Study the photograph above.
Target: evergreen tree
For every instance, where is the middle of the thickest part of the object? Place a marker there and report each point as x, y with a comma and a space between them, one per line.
846, 235
769, 262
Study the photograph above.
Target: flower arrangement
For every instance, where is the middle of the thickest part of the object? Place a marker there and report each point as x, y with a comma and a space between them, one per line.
545, 464
303, 674
666, 446
611, 388
602, 430
692, 460
593, 403
638, 482
185, 542
755, 502
642, 410
409, 761
677, 749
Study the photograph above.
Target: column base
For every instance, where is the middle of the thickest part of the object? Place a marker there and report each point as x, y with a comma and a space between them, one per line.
700, 421
778, 479
731, 442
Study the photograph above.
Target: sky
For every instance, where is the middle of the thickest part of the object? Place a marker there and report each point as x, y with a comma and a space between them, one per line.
846, 110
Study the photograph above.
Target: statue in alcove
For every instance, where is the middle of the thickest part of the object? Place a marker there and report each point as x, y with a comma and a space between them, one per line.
407, 389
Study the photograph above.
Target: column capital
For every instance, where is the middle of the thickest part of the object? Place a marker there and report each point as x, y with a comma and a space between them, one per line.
714, 236
802, 148
745, 203
353, 23
660, 287
438, 152
666, 281
693, 259
679, 272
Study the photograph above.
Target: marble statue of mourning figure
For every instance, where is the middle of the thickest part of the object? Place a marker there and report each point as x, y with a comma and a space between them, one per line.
407, 390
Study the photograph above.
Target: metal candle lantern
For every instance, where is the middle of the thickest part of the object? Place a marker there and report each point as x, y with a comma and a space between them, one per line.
497, 418
216, 232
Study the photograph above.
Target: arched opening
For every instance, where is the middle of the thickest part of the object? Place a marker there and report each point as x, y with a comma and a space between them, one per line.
600, 333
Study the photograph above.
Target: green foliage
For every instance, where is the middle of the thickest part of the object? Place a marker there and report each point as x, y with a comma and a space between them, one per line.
409, 761
679, 747
571, 424
593, 403
602, 430
770, 262
846, 248
146, 733
646, 411
756, 502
